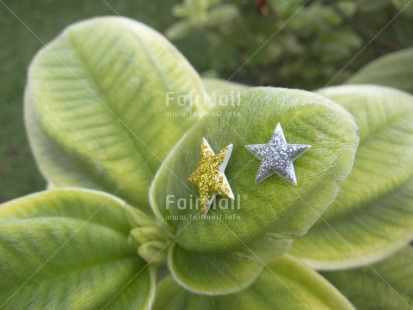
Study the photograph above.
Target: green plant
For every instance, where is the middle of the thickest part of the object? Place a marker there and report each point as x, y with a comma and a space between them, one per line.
115, 116
300, 44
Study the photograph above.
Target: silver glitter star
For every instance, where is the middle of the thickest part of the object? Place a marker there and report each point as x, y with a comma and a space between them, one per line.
277, 157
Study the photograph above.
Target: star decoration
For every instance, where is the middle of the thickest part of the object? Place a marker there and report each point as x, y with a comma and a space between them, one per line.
277, 157
210, 177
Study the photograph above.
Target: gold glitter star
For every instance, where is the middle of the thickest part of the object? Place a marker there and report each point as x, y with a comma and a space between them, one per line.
210, 177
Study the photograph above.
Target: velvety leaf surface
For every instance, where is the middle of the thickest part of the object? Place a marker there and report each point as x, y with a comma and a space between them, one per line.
67, 249
211, 273
393, 70
221, 88
100, 104
283, 284
385, 285
372, 216
262, 220
222, 92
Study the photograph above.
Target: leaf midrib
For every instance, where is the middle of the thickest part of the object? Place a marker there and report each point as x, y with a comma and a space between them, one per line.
117, 120
363, 209
377, 195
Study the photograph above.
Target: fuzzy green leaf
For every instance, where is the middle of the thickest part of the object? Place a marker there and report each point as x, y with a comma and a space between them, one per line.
216, 88
385, 285
67, 249
284, 284
372, 217
393, 70
223, 92
212, 273
98, 104
263, 219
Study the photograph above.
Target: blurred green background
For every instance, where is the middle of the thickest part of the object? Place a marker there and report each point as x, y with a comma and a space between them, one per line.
296, 43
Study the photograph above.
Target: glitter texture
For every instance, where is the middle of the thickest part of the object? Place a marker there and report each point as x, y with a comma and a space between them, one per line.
277, 157
210, 177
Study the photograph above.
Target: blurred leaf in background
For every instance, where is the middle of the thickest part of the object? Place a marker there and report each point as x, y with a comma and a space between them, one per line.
299, 43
